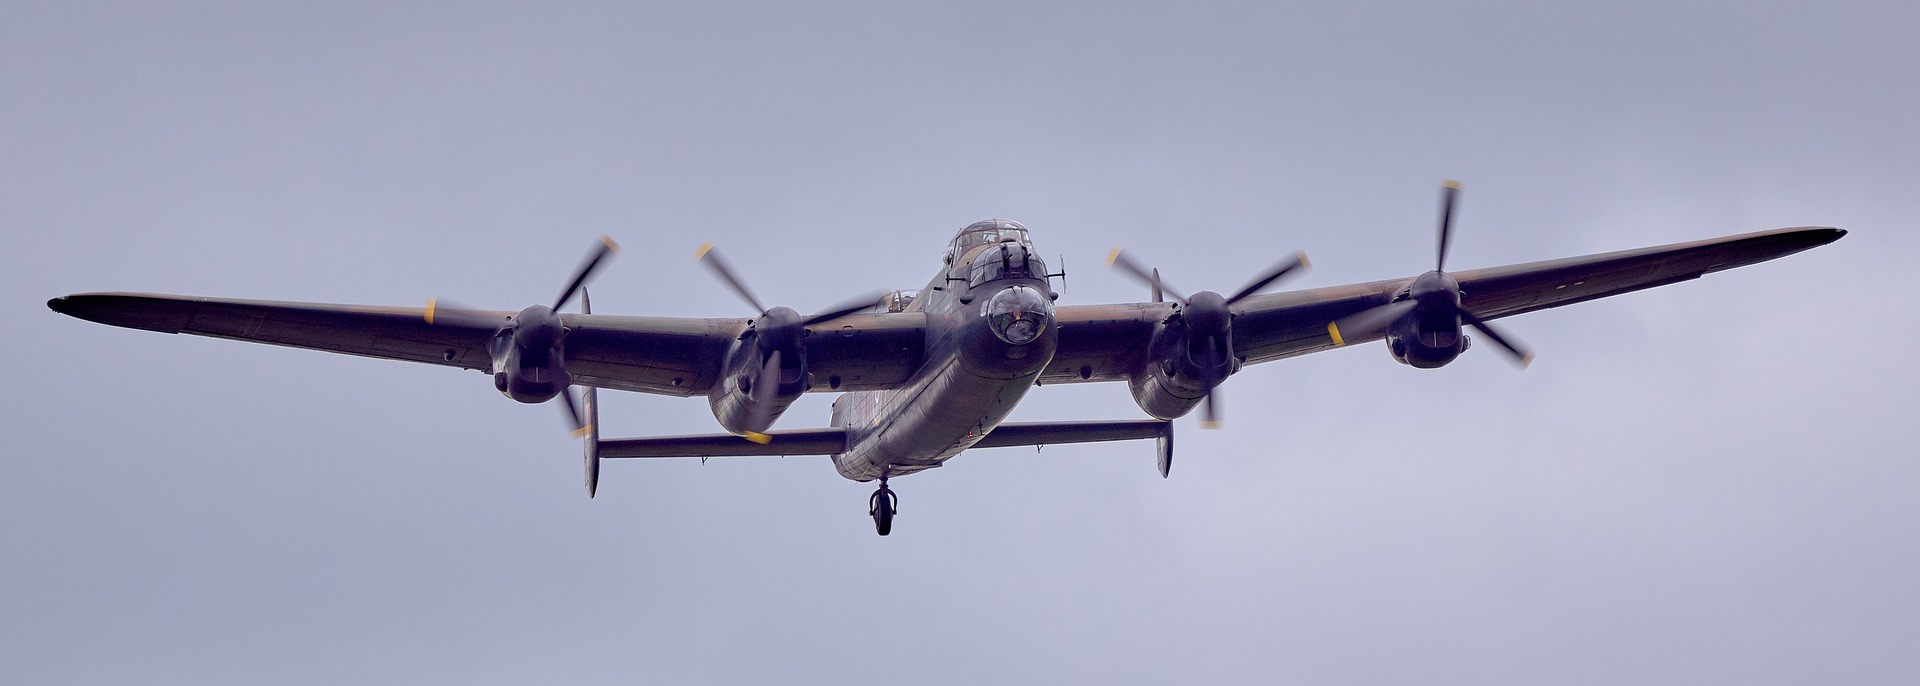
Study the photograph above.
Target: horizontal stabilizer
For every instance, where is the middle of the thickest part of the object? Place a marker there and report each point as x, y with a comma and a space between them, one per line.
826, 441
1052, 433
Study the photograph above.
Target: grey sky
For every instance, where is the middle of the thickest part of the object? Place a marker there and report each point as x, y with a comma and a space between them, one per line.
1710, 482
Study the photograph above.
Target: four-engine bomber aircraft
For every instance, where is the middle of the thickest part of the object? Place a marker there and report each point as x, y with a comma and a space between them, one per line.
927, 374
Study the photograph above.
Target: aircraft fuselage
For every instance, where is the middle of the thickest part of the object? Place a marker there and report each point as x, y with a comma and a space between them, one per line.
990, 332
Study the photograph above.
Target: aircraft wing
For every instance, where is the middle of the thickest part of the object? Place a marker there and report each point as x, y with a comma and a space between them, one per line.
660, 355
1107, 342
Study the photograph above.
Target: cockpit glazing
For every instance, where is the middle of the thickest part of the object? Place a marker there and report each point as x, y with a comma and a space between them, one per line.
989, 232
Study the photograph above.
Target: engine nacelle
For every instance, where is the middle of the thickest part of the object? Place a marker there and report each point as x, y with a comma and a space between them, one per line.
1427, 340
1190, 355
732, 398
529, 362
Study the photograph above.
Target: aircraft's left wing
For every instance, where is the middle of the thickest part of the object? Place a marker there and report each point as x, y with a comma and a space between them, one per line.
1271, 327
1108, 342
661, 355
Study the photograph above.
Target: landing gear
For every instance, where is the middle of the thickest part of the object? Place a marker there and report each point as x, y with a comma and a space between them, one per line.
882, 505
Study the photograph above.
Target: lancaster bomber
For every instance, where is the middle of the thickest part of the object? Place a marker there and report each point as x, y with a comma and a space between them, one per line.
925, 374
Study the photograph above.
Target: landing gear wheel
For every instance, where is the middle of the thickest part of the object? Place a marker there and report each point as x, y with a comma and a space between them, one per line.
882, 505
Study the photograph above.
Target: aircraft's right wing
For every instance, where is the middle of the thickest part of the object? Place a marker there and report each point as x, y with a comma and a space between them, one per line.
660, 355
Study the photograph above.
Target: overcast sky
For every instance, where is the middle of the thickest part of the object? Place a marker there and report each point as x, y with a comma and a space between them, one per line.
1711, 482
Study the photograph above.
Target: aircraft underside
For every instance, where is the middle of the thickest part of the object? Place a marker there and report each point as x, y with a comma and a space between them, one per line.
927, 374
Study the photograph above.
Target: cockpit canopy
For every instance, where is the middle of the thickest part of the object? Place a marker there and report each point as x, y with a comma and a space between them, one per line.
988, 232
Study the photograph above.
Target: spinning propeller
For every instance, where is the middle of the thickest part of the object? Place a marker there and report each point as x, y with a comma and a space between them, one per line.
1208, 315
776, 330
536, 331
1430, 292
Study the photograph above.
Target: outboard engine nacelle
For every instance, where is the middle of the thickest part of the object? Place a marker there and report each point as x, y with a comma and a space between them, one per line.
1428, 336
1422, 322
529, 360
1427, 340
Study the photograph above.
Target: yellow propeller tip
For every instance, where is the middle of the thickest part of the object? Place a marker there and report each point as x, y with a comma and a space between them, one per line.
1209, 425
1524, 361
1333, 329
1113, 257
701, 254
608, 241
1450, 183
583, 431
757, 437
1304, 262
431, 302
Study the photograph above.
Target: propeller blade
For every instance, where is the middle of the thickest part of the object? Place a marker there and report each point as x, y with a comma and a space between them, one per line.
847, 307
1210, 410
573, 413
710, 257
1297, 262
446, 313
1520, 354
1118, 259
586, 302
765, 387
1370, 322
1448, 190
580, 276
